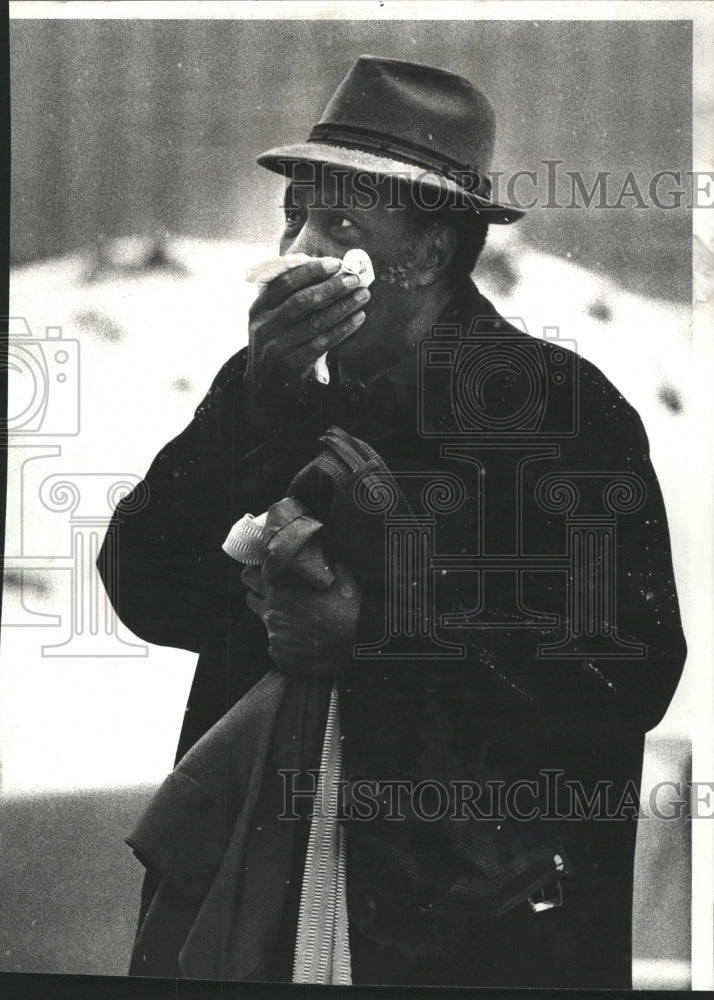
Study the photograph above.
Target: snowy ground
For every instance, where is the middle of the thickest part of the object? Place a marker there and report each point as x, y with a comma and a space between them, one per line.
150, 341
152, 330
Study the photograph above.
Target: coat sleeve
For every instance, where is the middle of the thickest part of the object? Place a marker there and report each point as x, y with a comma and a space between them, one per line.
632, 688
162, 562
629, 587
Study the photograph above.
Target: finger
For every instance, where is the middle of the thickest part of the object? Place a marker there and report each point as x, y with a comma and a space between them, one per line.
256, 604
335, 313
321, 326
293, 363
312, 273
252, 579
311, 299
303, 358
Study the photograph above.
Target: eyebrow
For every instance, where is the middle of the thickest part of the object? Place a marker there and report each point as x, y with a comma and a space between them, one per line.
291, 201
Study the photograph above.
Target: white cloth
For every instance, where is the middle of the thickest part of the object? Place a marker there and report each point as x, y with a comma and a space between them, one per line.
322, 948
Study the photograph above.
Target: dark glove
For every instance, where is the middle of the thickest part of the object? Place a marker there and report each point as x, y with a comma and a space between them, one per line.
310, 631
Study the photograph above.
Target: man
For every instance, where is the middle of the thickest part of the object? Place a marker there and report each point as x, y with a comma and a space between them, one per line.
532, 634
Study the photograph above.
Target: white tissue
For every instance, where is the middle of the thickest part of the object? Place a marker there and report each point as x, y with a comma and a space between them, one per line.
269, 270
358, 262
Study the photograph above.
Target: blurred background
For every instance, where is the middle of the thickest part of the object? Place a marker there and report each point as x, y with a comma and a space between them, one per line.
136, 208
125, 127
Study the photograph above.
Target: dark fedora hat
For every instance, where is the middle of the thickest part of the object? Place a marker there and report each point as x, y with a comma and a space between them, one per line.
390, 117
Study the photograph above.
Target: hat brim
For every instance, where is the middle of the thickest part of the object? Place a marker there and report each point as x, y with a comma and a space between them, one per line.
281, 157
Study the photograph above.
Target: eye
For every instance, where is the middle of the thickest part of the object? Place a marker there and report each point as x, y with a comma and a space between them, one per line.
342, 222
293, 217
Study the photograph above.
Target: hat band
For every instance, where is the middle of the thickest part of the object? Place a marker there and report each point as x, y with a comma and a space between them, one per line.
402, 149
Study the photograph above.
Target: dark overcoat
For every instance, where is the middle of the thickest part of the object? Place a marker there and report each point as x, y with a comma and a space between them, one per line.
548, 642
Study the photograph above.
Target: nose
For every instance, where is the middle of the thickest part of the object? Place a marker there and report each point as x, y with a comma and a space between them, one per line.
310, 240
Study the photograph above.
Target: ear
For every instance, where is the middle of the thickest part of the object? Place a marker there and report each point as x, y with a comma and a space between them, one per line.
439, 249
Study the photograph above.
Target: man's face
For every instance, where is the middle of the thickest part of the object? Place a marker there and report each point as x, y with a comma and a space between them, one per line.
323, 218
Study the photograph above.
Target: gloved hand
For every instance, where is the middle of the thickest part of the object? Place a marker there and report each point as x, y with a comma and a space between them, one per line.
311, 632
